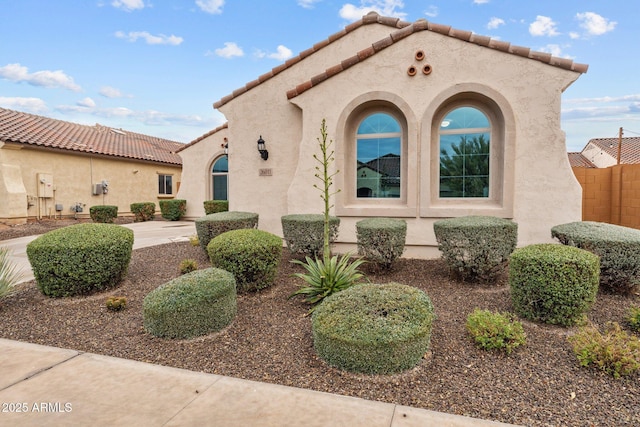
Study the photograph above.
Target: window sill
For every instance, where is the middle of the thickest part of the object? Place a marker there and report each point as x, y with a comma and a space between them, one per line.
166, 196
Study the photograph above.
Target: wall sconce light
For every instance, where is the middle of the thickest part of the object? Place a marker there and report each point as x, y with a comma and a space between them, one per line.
262, 149
225, 146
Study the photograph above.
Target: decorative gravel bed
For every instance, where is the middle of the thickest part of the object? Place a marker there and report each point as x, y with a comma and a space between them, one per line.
540, 384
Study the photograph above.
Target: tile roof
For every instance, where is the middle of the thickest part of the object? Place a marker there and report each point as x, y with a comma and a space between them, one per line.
33, 130
200, 138
404, 29
577, 160
629, 153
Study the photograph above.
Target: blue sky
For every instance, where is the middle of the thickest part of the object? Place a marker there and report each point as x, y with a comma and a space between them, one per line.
157, 66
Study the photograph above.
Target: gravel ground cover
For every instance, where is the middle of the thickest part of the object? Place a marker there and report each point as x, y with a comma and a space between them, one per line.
540, 384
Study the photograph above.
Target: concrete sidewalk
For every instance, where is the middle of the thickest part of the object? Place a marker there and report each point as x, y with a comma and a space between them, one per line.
148, 233
56, 387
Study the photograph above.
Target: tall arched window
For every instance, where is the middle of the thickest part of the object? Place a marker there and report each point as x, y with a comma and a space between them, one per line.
378, 157
220, 178
465, 135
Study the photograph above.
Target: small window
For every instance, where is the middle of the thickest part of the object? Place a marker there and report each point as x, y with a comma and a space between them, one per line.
165, 184
378, 157
220, 178
464, 154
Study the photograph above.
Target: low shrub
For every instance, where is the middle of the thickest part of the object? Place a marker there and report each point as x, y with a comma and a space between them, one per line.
215, 206
495, 331
304, 233
615, 352
251, 255
381, 240
173, 209
476, 247
187, 266
617, 247
634, 318
374, 329
193, 239
80, 259
213, 225
9, 273
198, 303
327, 278
103, 213
116, 303
553, 283
144, 211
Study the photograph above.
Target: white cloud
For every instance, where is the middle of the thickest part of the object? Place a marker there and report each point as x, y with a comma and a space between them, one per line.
594, 24
230, 50
553, 49
213, 7
307, 4
574, 35
543, 26
112, 92
352, 12
86, 102
480, 1
128, 5
431, 12
133, 36
495, 23
282, 53
32, 105
49, 79
624, 98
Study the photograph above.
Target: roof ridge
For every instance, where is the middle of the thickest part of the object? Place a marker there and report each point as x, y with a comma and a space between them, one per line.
201, 137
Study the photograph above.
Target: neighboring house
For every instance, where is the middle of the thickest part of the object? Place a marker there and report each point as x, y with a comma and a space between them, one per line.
603, 152
469, 126
52, 168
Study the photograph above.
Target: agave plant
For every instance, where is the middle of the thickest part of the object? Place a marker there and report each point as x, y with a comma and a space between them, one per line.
326, 278
9, 274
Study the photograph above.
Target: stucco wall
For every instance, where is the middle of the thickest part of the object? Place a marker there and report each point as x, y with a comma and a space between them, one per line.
73, 177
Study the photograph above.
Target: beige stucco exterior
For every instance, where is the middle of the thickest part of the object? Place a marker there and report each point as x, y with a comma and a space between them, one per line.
531, 179
69, 178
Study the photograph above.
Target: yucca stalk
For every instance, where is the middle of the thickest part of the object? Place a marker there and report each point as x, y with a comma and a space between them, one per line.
9, 273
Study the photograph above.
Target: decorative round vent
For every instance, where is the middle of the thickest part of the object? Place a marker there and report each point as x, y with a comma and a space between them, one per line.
427, 69
420, 55
412, 70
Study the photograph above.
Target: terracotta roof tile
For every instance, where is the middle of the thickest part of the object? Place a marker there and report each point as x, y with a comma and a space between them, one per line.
577, 160
33, 130
630, 148
200, 138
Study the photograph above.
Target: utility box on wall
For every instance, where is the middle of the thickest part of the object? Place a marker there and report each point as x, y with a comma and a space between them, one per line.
97, 189
45, 185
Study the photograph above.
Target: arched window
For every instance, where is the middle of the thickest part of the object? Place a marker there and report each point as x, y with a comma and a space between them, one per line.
378, 157
220, 178
464, 138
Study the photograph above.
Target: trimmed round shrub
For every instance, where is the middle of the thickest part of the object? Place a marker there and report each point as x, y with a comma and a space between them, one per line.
173, 209
103, 213
553, 283
304, 233
618, 248
381, 240
215, 206
251, 255
80, 259
475, 247
143, 211
197, 303
374, 329
213, 225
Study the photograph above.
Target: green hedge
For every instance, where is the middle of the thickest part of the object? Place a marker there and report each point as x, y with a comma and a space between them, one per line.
215, 206
618, 248
553, 283
103, 213
80, 259
374, 329
212, 225
143, 211
194, 304
173, 209
304, 233
381, 240
251, 255
475, 247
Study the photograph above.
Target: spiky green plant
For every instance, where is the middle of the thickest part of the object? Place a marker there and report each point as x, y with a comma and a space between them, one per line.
9, 273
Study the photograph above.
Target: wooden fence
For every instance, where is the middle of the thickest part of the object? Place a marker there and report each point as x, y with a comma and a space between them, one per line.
611, 194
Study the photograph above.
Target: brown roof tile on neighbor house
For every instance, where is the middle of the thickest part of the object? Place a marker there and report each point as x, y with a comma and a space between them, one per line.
630, 148
44, 132
577, 160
